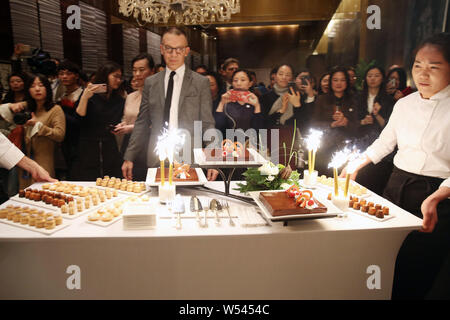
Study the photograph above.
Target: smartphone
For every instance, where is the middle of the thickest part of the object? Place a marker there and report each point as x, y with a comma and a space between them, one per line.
304, 82
392, 82
102, 88
293, 86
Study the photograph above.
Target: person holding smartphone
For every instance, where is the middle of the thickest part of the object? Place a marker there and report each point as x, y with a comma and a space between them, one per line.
100, 109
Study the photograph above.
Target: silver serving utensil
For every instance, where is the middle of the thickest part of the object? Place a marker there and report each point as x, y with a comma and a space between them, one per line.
213, 206
196, 206
227, 206
178, 209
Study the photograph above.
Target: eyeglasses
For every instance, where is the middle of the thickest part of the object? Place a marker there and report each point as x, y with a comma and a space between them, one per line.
169, 49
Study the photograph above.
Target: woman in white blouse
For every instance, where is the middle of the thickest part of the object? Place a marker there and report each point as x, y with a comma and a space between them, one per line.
143, 67
420, 183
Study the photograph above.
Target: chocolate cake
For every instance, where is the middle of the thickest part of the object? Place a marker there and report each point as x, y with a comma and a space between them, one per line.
279, 204
210, 155
192, 173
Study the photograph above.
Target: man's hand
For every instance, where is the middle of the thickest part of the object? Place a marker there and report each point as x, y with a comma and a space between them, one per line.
127, 170
37, 172
212, 174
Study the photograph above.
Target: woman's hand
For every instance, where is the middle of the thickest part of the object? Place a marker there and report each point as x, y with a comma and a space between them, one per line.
367, 120
253, 100
429, 213
308, 89
284, 103
398, 94
376, 108
123, 128
294, 97
32, 121
89, 91
339, 120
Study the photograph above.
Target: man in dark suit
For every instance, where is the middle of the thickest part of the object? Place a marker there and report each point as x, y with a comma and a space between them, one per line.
177, 96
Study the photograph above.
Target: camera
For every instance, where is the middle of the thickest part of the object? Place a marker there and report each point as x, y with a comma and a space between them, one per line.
40, 62
22, 117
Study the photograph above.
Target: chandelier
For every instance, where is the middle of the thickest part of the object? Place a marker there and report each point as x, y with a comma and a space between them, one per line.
188, 12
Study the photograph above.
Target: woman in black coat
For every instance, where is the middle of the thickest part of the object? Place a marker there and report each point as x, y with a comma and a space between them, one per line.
374, 108
99, 113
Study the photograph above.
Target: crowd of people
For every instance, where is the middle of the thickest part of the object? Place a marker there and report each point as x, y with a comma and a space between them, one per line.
80, 128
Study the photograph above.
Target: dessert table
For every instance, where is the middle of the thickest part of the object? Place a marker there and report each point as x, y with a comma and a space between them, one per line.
332, 258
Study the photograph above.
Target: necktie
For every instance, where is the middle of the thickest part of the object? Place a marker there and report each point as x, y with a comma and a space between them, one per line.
168, 98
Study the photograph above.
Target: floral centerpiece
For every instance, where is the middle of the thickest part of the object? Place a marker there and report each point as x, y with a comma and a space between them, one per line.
267, 177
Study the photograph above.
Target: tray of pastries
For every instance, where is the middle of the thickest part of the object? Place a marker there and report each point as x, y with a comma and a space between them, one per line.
292, 204
32, 219
122, 186
354, 189
112, 212
370, 209
70, 205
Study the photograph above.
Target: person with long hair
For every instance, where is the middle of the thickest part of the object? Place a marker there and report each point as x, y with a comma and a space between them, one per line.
374, 109
100, 111
335, 114
396, 83
420, 182
45, 129
324, 84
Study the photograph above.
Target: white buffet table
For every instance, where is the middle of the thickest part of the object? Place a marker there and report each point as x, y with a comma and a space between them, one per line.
308, 259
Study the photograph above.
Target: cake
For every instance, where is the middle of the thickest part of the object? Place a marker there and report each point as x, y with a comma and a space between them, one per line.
229, 152
191, 175
280, 204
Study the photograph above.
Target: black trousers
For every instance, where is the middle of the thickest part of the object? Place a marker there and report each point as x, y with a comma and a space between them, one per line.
422, 261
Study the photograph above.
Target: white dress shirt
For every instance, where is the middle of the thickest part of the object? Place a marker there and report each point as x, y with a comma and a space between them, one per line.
9, 153
177, 83
421, 130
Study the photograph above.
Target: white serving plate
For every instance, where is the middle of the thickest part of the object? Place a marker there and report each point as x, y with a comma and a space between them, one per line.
365, 214
151, 176
200, 159
331, 189
41, 205
332, 210
103, 223
28, 227
128, 193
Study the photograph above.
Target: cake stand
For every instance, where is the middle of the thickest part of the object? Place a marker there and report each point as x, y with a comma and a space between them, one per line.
200, 160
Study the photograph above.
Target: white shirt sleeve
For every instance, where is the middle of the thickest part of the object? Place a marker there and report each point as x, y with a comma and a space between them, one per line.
445, 183
10, 155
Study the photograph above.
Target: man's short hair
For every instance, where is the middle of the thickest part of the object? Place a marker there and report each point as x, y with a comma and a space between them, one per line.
176, 31
68, 65
229, 61
141, 56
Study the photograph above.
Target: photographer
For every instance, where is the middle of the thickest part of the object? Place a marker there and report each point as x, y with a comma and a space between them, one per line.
304, 84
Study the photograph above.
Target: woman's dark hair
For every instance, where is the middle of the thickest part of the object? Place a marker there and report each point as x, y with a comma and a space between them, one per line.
365, 90
401, 75
347, 80
277, 68
383, 82
439, 40
102, 74
319, 84
48, 104
218, 79
142, 56
9, 97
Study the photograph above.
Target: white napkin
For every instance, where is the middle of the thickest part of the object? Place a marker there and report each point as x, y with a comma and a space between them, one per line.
248, 216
